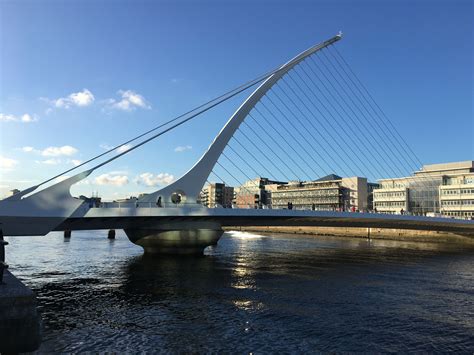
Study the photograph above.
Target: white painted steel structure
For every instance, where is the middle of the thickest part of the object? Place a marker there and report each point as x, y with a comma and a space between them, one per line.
53, 208
192, 182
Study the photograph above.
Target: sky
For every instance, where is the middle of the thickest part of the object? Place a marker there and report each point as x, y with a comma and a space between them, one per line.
78, 77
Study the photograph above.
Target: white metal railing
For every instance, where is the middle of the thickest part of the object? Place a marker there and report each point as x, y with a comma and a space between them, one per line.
153, 206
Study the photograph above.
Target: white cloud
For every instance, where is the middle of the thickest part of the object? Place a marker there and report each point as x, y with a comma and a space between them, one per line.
83, 98
149, 179
25, 118
111, 179
129, 102
28, 149
75, 162
7, 163
7, 118
80, 99
49, 161
66, 150
124, 148
121, 149
182, 148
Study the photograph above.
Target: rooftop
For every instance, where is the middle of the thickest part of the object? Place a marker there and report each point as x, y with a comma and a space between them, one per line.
468, 164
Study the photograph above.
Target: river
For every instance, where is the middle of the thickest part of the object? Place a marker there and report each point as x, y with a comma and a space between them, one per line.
250, 293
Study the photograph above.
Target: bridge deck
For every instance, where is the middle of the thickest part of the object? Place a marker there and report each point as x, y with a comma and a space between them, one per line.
155, 217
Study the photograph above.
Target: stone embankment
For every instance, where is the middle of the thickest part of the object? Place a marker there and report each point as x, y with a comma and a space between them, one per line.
20, 323
373, 233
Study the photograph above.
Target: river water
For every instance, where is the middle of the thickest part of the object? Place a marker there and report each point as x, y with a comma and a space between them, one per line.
251, 293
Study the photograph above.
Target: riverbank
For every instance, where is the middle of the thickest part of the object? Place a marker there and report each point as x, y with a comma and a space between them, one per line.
373, 233
20, 323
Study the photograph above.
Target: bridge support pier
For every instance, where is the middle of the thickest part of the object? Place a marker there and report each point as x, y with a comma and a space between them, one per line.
190, 238
111, 234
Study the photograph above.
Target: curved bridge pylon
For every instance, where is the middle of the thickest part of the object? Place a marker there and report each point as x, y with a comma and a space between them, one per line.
192, 182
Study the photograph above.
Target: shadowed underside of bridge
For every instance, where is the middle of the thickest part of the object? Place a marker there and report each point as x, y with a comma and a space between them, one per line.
287, 218
176, 233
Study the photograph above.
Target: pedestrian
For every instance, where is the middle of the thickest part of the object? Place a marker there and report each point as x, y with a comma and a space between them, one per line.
158, 202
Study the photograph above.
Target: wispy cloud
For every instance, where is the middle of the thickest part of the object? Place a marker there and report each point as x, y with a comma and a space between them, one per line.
28, 118
7, 163
129, 101
49, 161
79, 99
25, 118
149, 179
182, 148
29, 150
65, 150
111, 179
121, 149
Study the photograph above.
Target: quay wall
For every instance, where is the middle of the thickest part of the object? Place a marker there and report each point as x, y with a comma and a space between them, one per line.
374, 233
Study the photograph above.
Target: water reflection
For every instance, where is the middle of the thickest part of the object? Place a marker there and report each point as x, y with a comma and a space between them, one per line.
250, 293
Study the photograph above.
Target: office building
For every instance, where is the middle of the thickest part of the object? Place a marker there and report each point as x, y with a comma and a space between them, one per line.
456, 196
330, 193
217, 195
254, 193
434, 189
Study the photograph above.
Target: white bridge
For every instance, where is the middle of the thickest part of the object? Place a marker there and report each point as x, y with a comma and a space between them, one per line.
188, 227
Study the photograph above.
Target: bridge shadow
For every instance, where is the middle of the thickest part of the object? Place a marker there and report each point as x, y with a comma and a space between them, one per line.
165, 275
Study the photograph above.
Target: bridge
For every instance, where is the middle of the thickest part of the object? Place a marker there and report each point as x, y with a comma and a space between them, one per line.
304, 102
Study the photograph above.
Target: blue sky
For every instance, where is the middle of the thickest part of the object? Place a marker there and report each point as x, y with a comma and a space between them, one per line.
78, 76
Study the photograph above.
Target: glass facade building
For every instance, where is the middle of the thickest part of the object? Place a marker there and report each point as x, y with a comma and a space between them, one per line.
423, 193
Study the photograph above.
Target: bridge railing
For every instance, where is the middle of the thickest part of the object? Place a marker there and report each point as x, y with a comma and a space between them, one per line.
133, 204
153, 206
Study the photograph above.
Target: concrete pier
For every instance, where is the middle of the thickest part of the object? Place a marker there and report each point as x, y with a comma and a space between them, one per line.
177, 238
111, 234
20, 323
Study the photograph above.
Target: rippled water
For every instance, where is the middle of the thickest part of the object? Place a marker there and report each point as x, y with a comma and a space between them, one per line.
250, 293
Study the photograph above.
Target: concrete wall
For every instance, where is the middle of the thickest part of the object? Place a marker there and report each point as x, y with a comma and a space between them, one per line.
375, 233
20, 324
